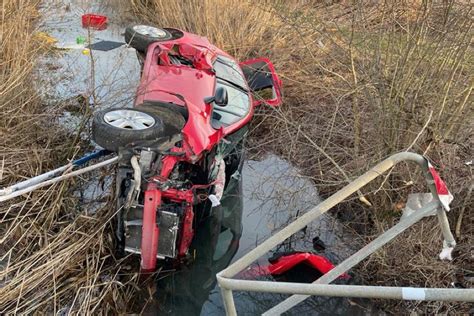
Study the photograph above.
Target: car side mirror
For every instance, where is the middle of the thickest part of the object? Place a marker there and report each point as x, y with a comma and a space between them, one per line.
220, 98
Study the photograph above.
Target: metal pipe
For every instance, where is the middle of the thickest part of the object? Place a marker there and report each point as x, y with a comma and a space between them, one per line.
57, 179
224, 276
442, 218
335, 290
357, 257
48, 175
445, 229
229, 304
88, 157
34, 180
320, 209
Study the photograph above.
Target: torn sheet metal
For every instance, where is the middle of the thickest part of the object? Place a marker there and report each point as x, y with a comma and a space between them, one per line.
202, 57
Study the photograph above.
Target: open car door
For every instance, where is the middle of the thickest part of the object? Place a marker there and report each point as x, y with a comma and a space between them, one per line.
263, 81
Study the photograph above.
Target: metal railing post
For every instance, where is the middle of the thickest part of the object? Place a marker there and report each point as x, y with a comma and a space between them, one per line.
318, 210
358, 256
228, 299
441, 213
321, 286
445, 229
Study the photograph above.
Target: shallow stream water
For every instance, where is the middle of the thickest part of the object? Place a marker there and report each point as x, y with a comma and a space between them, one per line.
269, 194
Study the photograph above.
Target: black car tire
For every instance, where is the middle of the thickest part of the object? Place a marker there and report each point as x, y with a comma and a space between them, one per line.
112, 138
140, 41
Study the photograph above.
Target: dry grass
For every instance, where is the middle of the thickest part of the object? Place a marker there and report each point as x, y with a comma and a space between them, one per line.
53, 255
362, 80
228, 24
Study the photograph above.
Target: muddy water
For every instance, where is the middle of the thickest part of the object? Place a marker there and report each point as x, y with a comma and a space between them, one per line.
264, 198
104, 78
269, 195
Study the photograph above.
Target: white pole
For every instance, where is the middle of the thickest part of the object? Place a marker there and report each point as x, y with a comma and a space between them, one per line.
34, 180
57, 179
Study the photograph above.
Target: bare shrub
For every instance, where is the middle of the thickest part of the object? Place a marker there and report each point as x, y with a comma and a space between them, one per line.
362, 80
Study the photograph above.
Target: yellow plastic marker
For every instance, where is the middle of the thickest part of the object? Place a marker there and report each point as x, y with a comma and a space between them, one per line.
86, 51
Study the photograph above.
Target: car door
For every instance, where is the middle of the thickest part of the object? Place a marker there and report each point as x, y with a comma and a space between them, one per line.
263, 81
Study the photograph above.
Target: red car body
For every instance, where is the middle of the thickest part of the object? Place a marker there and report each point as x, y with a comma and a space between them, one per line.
195, 83
187, 86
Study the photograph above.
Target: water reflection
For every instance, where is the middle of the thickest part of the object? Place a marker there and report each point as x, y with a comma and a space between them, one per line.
270, 195
215, 244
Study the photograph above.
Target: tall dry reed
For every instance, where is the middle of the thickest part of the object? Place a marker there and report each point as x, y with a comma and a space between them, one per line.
54, 255
362, 80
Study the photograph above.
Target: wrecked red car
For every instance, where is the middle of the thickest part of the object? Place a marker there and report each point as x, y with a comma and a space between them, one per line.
183, 139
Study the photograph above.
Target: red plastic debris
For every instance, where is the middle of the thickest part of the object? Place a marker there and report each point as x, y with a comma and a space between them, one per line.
287, 261
95, 21
441, 188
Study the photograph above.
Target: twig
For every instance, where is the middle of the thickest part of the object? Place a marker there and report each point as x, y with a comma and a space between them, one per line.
362, 198
2, 168
461, 213
421, 132
407, 149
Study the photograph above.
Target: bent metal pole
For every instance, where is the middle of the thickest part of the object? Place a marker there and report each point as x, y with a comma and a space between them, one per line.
225, 275
57, 179
360, 255
318, 210
50, 174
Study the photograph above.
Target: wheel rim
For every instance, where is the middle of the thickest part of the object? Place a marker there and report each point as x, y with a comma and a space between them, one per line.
127, 119
150, 31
